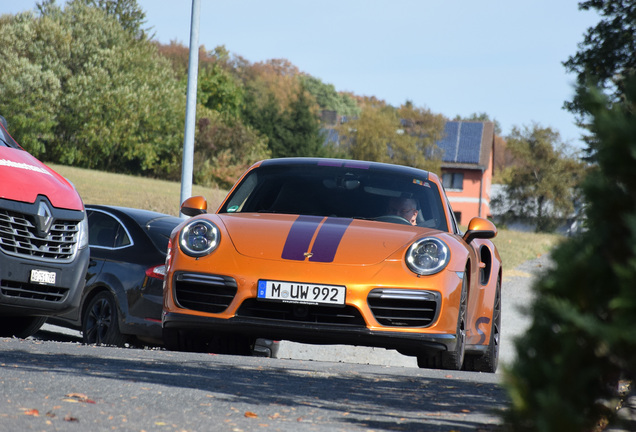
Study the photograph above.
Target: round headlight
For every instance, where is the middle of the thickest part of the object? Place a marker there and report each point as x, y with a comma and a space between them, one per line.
83, 233
427, 256
198, 238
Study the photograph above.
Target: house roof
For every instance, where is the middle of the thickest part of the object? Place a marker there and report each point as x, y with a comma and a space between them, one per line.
467, 144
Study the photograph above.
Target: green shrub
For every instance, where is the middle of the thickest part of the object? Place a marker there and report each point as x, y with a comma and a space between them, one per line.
582, 337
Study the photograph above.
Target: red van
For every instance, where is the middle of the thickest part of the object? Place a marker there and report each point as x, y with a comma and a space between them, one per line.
43, 241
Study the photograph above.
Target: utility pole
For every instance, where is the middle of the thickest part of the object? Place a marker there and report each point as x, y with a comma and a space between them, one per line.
191, 106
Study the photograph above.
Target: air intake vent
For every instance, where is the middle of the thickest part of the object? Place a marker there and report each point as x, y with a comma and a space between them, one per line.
404, 308
33, 291
315, 314
204, 292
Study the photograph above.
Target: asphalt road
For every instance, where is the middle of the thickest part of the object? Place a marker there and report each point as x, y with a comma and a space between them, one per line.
54, 383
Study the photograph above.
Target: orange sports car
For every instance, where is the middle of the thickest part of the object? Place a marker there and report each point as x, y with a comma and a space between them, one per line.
329, 251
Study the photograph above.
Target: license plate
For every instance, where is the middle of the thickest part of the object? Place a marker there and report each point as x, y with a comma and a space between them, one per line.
43, 277
298, 292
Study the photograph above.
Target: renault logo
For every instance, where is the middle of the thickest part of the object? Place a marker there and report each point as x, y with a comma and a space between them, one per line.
44, 219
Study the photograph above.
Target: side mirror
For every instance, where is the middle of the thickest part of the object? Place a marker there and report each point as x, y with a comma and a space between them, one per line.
194, 206
480, 228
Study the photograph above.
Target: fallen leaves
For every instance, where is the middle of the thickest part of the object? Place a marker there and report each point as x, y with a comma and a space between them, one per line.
250, 414
70, 397
51, 415
78, 397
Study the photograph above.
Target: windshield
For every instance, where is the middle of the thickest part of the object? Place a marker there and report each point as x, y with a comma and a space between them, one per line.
6, 140
338, 192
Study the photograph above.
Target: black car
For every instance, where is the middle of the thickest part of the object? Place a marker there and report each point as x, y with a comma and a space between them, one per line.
122, 300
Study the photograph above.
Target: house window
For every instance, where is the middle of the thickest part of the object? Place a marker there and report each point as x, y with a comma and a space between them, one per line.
453, 181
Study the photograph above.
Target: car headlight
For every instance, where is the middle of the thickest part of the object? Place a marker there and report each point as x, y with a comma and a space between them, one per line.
199, 237
427, 256
83, 233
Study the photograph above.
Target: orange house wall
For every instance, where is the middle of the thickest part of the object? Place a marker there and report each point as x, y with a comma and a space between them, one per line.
466, 201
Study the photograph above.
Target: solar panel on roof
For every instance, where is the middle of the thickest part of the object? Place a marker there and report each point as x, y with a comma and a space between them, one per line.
470, 142
461, 142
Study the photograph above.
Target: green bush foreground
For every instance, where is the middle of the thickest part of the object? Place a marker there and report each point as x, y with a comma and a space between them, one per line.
582, 338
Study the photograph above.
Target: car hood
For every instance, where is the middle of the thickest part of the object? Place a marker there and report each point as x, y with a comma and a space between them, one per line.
23, 178
317, 239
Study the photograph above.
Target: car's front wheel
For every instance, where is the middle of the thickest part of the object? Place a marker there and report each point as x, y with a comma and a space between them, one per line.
100, 324
488, 361
451, 359
20, 326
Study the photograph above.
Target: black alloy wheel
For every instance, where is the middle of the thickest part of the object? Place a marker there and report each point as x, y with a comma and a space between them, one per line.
100, 322
488, 361
453, 359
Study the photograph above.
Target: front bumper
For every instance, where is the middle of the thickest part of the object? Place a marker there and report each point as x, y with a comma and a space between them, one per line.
19, 297
313, 333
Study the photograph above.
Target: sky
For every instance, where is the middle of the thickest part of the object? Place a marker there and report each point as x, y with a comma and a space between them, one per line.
454, 57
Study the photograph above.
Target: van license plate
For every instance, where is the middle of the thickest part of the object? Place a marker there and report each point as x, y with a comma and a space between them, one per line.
43, 277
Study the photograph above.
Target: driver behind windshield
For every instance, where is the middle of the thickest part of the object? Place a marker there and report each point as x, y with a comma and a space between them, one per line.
405, 207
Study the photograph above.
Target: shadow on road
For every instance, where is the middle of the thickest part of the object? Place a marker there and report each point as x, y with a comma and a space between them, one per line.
361, 396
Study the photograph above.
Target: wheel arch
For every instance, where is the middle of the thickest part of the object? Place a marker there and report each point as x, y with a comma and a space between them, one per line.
488, 275
96, 290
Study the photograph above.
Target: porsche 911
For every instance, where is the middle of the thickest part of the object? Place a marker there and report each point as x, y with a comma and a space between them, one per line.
330, 251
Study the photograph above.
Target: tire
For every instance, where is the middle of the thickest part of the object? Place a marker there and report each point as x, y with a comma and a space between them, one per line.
100, 322
182, 340
236, 344
172, 340
453, 359
488, 361
20, 326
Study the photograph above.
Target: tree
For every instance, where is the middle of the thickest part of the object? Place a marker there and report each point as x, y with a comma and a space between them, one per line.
31, 88
581, 338
542, 182
127, 12
179, 57
109, 102
328, 98
221, 92
426, 129
380, 134
303, 129
223, 151
294, 131
607, 56
368, 136
278, 78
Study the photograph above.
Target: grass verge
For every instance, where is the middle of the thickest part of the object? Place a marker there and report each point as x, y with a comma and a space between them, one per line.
517, 247
97, 187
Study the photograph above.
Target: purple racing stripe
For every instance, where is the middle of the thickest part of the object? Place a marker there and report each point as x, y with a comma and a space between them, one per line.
328, 239
299, 237
356, 164
330, 163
